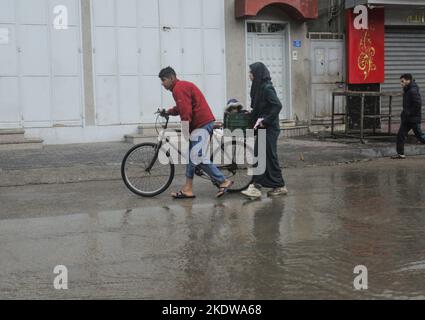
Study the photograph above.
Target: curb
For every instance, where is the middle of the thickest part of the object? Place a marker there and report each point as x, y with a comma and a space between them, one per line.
87, 173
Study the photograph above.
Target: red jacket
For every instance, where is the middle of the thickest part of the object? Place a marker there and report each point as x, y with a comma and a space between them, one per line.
191, 105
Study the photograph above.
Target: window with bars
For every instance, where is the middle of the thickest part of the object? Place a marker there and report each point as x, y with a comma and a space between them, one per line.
265, 27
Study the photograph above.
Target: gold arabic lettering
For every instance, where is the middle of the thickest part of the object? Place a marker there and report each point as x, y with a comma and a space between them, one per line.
367, 53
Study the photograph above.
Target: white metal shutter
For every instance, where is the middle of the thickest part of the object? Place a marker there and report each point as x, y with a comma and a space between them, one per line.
40, 67
404, 53
134, 39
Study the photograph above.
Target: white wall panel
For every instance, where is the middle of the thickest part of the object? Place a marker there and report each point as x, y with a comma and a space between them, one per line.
126, 13
169, 13
191, 13
150, 90
212, 14
214, 56
35, 50
128, 57
66, 59
8, 53
35, 96
168, 33
150, 57
214, 92
43, 64
9, 101
72, 7
107, 104
129, 99
8, 11
148, 13
66, 95
104, 12
192, 56
105, 48
171, 49
32, 11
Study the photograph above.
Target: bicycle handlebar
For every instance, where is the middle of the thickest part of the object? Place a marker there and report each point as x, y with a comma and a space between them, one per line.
162, 113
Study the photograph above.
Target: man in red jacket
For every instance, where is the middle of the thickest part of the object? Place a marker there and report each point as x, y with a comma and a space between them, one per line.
193, 108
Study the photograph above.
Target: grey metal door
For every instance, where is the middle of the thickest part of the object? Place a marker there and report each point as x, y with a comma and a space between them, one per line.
327, 68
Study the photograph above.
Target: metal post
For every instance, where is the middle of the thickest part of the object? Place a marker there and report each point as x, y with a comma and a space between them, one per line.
346, 113
390, 115
333, 114
362, 118
375, 114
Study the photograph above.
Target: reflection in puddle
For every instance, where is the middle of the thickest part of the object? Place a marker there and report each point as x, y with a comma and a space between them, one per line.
305, 245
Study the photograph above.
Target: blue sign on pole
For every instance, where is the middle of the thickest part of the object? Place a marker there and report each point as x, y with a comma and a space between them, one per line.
297, 43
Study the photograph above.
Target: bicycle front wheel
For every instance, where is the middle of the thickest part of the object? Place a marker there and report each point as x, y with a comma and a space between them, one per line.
138, 179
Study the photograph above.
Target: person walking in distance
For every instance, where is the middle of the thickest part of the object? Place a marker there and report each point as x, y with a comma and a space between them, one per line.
412, 114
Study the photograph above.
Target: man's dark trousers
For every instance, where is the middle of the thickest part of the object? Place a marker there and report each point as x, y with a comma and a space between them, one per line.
404, 130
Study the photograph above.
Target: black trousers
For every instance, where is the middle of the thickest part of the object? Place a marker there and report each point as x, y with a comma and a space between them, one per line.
272, 177
404, 130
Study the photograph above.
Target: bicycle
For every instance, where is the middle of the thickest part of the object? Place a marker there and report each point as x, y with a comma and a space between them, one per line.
146, 176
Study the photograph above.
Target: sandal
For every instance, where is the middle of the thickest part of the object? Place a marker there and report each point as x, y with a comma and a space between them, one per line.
181, 195
223, 190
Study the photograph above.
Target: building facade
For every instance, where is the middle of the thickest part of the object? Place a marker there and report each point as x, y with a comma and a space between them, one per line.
404, 46
86, 70
275, 33
74, 71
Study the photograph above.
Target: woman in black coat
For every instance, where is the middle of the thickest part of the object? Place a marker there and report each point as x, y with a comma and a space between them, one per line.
266, 106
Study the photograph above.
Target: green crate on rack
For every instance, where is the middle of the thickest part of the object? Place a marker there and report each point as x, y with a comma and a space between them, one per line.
237, 120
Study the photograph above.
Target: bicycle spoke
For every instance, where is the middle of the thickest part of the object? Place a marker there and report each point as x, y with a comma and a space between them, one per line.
138, 179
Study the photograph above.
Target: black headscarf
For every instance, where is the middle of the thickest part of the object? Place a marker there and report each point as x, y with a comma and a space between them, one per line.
261, 74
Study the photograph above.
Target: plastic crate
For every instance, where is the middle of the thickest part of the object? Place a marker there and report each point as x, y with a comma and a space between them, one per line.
237, 120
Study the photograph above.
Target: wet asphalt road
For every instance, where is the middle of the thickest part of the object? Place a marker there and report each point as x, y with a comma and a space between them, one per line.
304, 245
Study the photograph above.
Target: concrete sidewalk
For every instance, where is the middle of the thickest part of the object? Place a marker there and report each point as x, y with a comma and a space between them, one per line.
101, 161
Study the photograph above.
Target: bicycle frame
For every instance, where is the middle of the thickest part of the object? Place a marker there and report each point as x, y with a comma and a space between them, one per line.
161, 141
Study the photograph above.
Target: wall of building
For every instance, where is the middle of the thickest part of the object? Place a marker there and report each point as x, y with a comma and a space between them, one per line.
96, 79
236, 75
237, 69
331, 17
86, 24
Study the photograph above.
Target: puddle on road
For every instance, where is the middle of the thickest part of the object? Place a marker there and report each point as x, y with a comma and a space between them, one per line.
305, 245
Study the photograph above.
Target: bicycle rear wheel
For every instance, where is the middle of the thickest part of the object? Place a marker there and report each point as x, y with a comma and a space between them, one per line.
236, 168
140, 181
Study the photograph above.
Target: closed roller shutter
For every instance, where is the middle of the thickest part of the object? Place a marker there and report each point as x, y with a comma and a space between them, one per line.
41, 83
404, 53
134, 39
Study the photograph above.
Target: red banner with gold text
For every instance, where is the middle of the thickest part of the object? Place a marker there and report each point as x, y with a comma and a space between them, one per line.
366, 49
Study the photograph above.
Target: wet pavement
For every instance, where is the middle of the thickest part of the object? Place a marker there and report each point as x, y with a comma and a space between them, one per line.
304, 245
102, 161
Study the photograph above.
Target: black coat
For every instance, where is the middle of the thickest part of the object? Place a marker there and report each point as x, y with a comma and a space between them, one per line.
267, 105
412, 104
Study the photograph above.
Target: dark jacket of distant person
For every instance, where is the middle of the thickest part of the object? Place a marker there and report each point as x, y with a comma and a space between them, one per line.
412, 104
